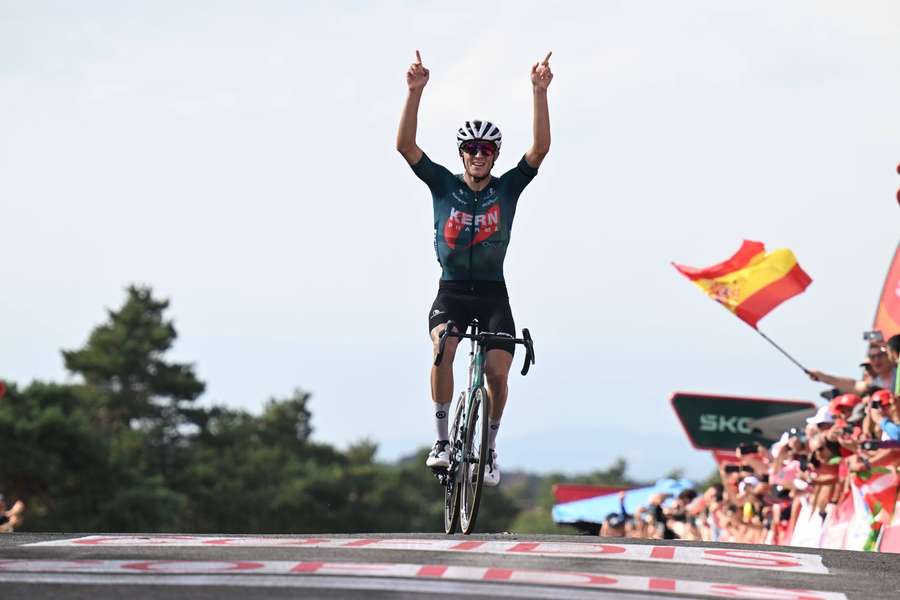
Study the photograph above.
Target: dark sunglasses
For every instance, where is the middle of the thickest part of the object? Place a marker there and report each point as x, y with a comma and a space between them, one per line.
472, 148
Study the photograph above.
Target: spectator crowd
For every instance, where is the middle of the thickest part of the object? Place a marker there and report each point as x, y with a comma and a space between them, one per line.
852, 440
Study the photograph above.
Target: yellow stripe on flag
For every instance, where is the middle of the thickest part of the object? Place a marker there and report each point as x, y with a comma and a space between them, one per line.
734, 288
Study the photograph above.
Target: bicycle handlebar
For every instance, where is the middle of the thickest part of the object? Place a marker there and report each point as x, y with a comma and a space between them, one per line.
485, 336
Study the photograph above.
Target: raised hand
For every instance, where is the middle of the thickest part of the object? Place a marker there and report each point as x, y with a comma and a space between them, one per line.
417, 75
541, 75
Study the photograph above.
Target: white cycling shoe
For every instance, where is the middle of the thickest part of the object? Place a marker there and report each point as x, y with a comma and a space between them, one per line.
439, 457
492, 470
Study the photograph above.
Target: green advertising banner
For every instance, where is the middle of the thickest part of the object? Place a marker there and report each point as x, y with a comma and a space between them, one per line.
725, 422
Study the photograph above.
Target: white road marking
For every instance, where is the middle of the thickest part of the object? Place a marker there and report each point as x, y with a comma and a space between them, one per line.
160, 570
691, 555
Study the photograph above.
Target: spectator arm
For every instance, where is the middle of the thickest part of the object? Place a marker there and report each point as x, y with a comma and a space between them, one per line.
845, 384
891, 429
17, 509
885, 457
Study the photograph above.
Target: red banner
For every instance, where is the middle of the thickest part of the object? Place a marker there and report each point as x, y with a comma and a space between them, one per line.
890, 537
887, 317
570, 492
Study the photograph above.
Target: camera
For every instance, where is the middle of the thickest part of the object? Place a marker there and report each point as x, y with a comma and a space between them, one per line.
873, 336
797, 433
876, 404
871, 445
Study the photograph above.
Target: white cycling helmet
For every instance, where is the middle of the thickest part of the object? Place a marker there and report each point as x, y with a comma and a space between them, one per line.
479, 130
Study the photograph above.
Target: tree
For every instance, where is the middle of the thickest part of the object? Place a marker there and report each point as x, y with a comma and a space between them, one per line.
123, 361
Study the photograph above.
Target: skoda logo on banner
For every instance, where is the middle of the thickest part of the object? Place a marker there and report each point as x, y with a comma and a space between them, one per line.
724, 422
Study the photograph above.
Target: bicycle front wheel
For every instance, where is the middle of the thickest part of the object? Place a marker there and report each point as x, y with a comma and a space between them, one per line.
475, 448
455, 471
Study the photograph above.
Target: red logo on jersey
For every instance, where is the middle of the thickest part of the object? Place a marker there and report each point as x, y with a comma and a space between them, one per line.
485, 225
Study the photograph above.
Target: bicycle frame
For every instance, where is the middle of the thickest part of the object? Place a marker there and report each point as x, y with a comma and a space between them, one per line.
477, 358
475, 381
476, 363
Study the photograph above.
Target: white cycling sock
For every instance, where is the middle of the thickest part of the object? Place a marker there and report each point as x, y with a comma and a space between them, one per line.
493, 427
440, 420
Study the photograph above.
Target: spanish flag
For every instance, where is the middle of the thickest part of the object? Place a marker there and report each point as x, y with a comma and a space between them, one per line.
752, 282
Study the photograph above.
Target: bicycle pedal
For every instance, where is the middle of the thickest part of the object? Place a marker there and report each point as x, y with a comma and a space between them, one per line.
442, 475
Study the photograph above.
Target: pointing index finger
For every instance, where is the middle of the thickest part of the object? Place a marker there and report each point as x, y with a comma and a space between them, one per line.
418, 57
547, 58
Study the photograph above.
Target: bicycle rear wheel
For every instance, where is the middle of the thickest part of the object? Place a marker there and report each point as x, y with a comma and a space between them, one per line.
475, 450
454, 471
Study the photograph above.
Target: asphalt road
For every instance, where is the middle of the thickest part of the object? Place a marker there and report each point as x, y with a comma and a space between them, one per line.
375, 566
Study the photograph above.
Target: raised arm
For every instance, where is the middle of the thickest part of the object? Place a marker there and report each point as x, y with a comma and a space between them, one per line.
846, 385
541, 76
416, 78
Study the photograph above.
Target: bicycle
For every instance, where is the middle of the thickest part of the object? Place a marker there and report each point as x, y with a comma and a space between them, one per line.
463, 480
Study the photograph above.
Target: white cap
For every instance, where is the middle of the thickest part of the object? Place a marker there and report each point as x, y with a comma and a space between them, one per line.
823, 415
749, 481
781, 443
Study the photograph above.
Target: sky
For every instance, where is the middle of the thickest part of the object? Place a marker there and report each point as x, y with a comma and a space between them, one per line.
238, 157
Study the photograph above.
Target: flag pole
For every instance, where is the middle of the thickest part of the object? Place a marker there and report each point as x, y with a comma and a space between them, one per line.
780, 349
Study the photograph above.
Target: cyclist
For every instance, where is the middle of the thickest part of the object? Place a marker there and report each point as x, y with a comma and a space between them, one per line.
473, 215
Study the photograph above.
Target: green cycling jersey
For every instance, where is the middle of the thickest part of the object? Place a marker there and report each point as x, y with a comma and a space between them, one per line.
472, 229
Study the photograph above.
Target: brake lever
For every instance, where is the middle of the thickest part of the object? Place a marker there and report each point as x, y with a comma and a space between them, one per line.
529, 351
444, 335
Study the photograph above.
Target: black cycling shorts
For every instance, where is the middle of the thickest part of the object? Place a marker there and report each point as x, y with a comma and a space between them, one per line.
487, 301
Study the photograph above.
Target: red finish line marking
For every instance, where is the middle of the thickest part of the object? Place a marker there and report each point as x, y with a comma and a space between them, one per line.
361, 543
307, 567
663, 552
688, 554
497, 574
661, 585
467, 546
431, 571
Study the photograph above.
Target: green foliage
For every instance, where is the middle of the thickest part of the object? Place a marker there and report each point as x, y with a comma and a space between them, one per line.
674, 474
538, 520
